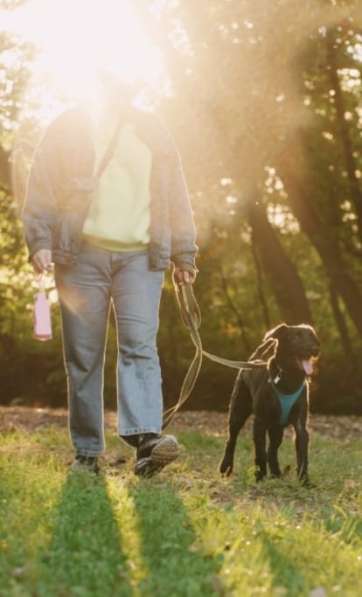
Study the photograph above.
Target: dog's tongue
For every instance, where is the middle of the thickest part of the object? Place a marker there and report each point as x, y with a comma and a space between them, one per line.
307, 365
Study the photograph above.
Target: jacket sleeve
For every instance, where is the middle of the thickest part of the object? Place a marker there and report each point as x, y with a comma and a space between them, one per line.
39, 214
183, 230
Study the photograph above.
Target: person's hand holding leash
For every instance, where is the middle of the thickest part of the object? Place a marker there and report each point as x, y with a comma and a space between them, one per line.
42, 261
184, 276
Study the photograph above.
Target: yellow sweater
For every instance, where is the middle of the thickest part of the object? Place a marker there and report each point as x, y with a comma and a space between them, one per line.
119, 214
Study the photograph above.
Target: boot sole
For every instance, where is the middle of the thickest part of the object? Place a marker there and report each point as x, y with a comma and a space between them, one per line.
164, 452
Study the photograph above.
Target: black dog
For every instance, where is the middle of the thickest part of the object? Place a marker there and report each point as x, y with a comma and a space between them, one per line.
277, 394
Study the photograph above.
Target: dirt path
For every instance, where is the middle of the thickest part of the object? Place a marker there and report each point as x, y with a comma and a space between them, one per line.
210, 423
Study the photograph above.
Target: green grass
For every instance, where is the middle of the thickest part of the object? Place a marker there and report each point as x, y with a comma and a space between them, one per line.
186, 532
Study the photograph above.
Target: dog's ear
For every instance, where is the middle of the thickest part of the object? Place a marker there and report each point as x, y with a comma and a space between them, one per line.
276, 333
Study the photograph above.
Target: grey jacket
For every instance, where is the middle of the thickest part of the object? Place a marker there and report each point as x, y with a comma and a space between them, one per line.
58, 196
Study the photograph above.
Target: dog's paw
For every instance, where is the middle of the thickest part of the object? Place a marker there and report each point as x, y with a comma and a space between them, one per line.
226, 468
307, 483
286, 471
275, 474
260, 476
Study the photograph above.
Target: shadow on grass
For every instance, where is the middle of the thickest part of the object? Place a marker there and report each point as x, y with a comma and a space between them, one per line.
284, 572
85, 554
176, 566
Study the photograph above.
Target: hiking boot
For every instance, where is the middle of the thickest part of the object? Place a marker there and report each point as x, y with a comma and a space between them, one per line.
87, 464
154, 453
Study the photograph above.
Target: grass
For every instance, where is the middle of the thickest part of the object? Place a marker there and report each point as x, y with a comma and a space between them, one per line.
186, 532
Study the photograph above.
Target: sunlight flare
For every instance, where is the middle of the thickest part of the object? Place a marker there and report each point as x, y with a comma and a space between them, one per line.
75, 38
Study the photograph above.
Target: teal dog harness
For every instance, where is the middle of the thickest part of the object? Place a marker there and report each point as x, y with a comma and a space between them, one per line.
287, 401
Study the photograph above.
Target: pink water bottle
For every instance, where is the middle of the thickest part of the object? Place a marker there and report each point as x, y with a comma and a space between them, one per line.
42, 318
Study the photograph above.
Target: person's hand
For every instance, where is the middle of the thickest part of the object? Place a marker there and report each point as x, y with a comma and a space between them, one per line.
184, 276
42, 261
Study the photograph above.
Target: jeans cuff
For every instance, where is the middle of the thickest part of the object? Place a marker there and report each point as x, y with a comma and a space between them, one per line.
139, 430
88, 453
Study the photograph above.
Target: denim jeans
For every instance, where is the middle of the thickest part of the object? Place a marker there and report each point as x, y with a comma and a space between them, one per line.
86, 291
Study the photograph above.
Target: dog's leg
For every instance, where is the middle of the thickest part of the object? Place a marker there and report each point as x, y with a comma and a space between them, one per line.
275, 438
259, 433
301, 446
240, 410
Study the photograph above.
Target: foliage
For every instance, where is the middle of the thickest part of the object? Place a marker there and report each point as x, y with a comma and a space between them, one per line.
264, 104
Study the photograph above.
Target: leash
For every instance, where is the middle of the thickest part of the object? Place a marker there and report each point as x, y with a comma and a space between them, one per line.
191, 317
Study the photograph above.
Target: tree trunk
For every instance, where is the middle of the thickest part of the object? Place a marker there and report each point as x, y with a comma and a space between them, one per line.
341, 324
259, 284
5, 175
290, 168
281, 272
350, 161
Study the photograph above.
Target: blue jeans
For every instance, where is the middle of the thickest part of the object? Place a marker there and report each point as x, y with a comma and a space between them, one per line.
86, 291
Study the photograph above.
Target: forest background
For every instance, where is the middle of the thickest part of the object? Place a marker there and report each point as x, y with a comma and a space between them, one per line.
264, 100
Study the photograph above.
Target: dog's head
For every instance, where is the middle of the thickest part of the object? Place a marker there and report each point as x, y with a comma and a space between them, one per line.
298, 346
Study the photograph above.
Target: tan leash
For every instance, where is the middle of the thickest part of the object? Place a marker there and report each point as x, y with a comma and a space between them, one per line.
191, 317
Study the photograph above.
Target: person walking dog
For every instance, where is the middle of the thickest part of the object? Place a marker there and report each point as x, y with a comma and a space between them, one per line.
107, 203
